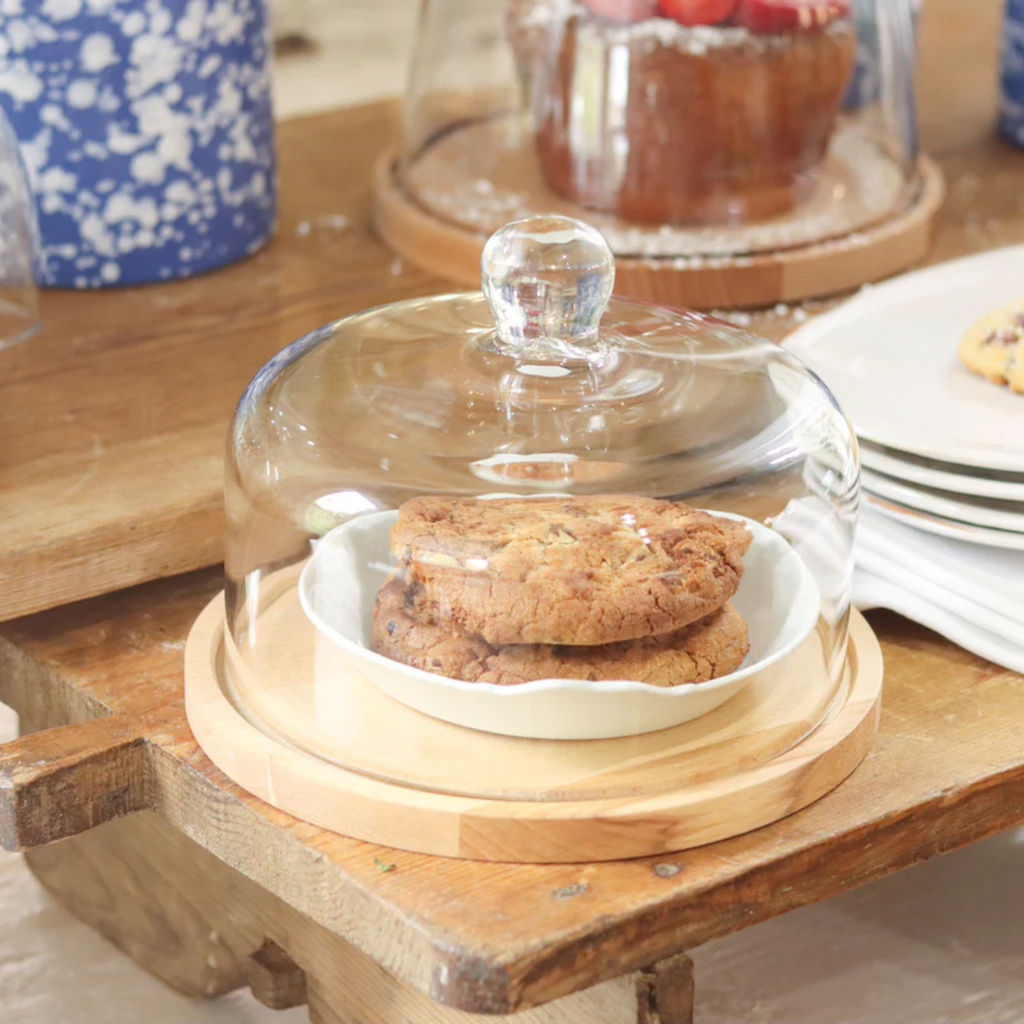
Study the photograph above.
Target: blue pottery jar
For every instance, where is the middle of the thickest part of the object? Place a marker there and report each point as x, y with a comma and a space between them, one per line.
1011, 100
146, 129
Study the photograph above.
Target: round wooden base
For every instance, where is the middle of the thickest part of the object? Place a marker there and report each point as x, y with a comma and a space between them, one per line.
721, 282
567, 801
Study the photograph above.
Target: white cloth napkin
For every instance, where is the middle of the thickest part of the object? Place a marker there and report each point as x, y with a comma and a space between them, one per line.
972, 595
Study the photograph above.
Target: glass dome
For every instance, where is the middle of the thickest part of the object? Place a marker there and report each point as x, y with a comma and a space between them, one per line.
539, 482
678, 128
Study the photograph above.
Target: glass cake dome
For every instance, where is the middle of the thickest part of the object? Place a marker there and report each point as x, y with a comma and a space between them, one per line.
683, 129
496, 505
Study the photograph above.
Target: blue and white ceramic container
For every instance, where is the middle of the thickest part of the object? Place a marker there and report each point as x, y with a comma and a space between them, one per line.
1011, 100
147, 131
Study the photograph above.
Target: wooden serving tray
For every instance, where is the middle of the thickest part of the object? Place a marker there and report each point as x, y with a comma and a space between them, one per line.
723, 282
366, 766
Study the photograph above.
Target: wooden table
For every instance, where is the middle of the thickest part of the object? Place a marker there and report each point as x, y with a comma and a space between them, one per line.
211, 889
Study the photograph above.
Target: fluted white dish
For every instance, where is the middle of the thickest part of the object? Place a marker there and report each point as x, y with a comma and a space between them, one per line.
778, 597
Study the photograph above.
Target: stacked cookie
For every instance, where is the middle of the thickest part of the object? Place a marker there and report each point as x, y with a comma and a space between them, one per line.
601, 587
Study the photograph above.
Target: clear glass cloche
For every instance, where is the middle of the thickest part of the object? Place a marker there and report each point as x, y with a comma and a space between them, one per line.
679, 128
540, 510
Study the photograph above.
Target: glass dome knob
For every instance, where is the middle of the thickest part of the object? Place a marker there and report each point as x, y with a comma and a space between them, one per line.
547, 281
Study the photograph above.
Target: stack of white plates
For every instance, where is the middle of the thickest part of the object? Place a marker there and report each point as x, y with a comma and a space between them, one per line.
942, 450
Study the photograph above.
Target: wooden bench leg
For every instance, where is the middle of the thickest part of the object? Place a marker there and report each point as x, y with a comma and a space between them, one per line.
275, 979
665, 993
204, 929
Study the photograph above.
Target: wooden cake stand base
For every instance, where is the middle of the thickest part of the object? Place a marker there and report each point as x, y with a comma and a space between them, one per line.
366, 766
762, 278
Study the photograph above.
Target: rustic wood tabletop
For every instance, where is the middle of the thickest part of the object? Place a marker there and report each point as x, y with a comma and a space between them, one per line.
91, 489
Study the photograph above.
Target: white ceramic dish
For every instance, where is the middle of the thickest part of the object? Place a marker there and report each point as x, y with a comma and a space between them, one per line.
996, 515
890, 357
941, 475
778, 597
942, 527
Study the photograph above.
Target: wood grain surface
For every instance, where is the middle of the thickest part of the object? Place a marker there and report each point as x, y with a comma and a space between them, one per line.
947, 768
113, 419
590, 800
206, 930
335, 719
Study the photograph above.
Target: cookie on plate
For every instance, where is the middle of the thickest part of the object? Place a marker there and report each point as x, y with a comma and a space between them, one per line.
567, 570
994, 346
703, 650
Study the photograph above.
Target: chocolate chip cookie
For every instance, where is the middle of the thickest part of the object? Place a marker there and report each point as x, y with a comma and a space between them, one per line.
994, 347
567, 570
707, 649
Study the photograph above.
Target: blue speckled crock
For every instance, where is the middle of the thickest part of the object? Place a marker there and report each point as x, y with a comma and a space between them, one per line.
1011, 99
147, 132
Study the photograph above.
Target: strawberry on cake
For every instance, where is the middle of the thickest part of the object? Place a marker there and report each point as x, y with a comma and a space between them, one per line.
682, 111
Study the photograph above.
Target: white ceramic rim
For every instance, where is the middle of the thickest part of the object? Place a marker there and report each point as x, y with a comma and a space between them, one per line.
949, 506
909, 287
941, 478
928, 522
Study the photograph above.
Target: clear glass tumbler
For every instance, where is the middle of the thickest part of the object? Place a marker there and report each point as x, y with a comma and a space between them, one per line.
19, 245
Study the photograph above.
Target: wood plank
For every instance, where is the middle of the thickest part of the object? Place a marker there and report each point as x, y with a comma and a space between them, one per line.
60, 782
946, 769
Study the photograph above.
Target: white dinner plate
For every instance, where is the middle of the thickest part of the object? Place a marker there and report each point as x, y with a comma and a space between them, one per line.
944, 476
890, 357
778, 597
942, 527
997, 515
